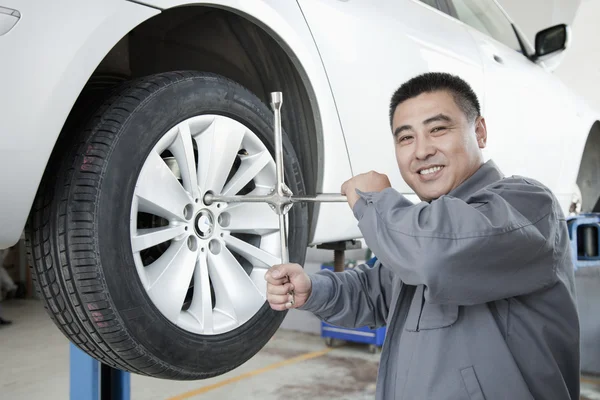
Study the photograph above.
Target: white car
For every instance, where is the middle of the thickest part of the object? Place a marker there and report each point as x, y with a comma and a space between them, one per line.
119, 116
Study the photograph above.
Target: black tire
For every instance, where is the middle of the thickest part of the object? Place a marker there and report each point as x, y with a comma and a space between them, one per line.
79, 236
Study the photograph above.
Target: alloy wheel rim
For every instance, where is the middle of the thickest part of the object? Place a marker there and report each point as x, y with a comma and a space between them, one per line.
203, 265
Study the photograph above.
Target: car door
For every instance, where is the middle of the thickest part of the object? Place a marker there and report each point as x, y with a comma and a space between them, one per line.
527, 115
368, 49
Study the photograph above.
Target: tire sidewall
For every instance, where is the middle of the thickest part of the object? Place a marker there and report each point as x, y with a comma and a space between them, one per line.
164, 108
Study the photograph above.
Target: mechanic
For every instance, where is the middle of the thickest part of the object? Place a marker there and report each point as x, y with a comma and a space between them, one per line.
475, 283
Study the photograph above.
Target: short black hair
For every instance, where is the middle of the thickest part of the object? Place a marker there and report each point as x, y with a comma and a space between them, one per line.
463, 94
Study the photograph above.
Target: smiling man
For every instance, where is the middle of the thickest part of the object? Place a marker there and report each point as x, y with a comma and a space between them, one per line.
438, 136
475, 283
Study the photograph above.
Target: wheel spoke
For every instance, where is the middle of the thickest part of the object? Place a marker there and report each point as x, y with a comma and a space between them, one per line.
254, 218
146, 238
218, 147
183, 150
234, 289
258, 277
256, 256
249, 168
201, 307
169, 278
204, 144
158, 190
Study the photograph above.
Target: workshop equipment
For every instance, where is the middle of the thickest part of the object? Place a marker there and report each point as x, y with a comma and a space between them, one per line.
584, 238
339, 249
281, 198
90, 379
372, 337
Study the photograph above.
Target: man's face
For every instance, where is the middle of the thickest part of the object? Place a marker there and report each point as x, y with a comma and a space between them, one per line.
437, 148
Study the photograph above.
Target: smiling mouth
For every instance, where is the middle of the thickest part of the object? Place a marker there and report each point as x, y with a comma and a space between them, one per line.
430, 170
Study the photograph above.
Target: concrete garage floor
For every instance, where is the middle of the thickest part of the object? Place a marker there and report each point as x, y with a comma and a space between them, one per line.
34, 364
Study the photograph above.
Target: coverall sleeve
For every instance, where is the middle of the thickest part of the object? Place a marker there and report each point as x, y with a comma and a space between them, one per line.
354, 298
498, 243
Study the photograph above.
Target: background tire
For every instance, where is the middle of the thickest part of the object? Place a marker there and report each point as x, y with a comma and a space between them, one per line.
79, 233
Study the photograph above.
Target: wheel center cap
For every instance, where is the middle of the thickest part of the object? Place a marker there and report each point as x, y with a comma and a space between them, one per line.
205, 224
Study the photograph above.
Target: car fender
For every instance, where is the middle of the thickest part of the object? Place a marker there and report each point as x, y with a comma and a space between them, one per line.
574, 149
46, 60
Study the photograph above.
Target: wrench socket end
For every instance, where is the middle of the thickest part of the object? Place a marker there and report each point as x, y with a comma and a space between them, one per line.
276, 100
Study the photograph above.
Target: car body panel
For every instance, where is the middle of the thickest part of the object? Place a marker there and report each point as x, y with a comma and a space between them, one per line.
364, 70
46, 60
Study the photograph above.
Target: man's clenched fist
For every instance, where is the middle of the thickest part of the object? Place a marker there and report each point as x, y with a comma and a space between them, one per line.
281, 280
368, 182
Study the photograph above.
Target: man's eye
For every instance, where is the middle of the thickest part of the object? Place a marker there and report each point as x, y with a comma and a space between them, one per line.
438, 129
404, 139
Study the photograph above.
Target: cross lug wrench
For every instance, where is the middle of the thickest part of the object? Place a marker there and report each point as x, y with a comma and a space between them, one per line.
281, 199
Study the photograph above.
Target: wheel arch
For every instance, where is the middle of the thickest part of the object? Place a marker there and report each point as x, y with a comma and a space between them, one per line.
588, 176
228, 42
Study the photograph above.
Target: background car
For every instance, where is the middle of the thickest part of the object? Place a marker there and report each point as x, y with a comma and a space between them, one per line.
119, 116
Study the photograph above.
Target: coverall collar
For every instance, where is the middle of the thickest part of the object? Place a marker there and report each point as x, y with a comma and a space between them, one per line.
487, 174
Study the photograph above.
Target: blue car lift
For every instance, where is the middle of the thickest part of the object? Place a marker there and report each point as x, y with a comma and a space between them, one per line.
584, 234
373, 337
92, 380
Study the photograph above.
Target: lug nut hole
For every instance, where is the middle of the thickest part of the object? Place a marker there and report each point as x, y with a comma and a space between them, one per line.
192, 243
188, 212
214, 246
224, 219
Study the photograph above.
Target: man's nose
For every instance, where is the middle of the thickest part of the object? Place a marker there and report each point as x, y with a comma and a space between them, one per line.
424, 149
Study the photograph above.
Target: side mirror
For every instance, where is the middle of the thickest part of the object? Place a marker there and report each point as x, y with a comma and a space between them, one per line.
551, 40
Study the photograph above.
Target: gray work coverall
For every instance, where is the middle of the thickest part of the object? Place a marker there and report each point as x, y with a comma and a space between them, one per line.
476, 289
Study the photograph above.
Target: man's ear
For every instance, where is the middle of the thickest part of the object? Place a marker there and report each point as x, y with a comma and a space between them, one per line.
481, 132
